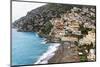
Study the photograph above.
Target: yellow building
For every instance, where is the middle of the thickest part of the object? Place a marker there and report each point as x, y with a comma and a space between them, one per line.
70, 38
73, 26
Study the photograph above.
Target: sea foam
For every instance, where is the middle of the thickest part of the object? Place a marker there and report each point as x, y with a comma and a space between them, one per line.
48, 54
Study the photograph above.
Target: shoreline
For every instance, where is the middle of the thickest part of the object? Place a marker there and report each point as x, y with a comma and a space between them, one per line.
59, 53
45, 57
65, 53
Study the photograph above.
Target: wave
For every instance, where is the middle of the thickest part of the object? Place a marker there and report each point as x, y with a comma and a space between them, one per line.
44, 41
49, 54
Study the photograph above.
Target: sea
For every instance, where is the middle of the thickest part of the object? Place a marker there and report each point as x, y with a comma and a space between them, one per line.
29, 48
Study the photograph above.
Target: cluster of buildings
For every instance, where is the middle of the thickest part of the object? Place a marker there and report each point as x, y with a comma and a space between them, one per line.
67, 28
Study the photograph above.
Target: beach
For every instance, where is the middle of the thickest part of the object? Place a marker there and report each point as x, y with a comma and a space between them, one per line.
48, 54
59, 53
65, 53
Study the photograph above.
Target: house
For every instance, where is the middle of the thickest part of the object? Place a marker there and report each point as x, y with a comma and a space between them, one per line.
58, 28
77, 32
69, 38
58, 23
59, 33
88, 25
73, 26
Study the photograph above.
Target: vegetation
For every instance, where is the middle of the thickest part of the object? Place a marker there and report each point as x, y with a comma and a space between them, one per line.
76, 43
92, 17
84, 30
83, 58
47, 28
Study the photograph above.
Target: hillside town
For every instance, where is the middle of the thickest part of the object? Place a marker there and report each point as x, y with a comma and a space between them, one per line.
74, 28
68, 28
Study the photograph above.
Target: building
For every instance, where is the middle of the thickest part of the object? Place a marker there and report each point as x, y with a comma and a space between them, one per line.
58, 28
69, 38
74, 26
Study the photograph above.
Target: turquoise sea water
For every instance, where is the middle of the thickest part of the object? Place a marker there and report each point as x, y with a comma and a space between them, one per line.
27, 47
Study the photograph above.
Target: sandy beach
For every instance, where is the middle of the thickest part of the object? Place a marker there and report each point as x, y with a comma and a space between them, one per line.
49, 54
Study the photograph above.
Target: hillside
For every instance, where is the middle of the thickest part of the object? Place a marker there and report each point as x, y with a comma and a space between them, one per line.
73, 26
37, 19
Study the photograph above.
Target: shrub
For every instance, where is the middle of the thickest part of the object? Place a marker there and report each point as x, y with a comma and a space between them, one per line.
47, 28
